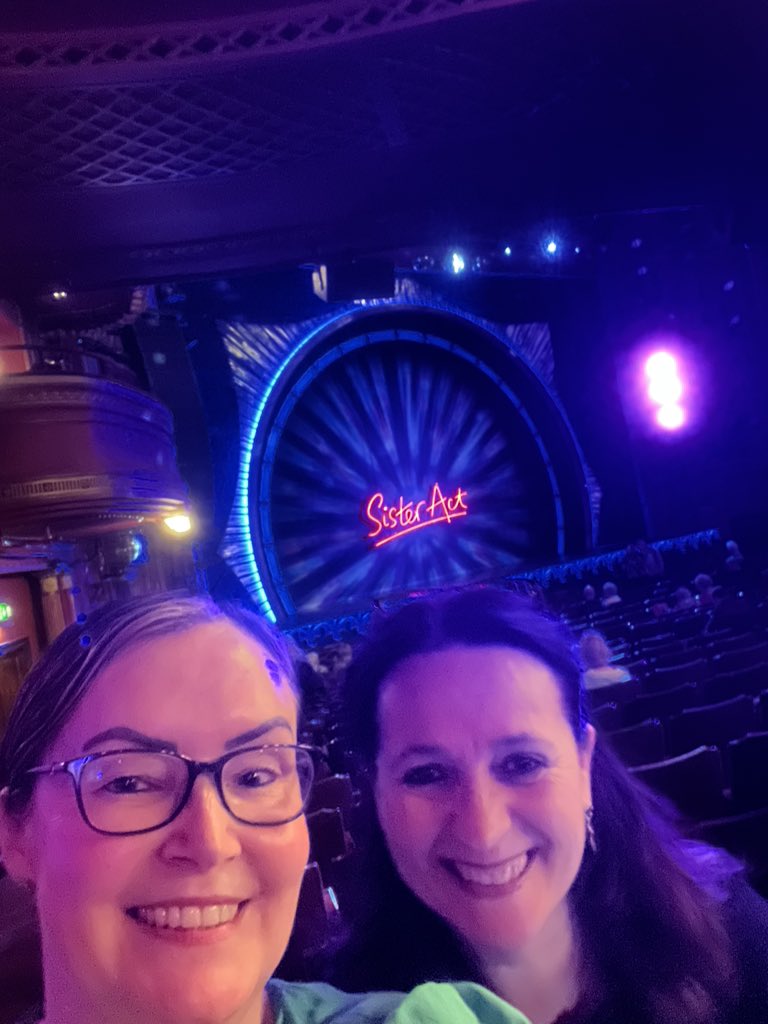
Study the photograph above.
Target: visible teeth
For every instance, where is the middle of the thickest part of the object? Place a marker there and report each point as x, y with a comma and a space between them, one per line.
188, 917
499, 874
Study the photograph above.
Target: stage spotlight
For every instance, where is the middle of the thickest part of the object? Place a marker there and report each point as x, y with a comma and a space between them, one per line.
660, 364
551, 247
670, 417
457, 263
507, 250
178, 523
665, 390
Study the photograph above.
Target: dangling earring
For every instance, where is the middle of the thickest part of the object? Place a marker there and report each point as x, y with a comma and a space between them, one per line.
589, 818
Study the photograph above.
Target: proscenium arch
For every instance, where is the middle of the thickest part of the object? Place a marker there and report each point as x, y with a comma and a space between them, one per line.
449, 332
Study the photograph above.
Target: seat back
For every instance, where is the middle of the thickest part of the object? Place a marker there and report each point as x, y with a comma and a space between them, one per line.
639, 744
328, 839
661, 705
745, 658
710, 724
334, 791
687, 672
694, 782
747, 760
607, 717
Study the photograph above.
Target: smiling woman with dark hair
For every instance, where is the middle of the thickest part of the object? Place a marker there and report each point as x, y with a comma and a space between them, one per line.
152, 797
512, 848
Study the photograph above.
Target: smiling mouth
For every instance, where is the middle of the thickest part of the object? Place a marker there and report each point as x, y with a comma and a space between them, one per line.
491, 879
181, 917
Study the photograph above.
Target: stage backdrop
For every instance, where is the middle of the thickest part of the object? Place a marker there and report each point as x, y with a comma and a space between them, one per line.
395, 446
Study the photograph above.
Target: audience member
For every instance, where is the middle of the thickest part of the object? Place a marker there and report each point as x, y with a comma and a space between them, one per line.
734, 560
511, 847
683, 600
596, 657
706, 590
153, 797
611, 595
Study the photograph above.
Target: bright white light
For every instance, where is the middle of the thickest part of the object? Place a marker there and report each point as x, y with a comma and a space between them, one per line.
665, 390
551, 247
507, 250
58, 295
660, 364
457, 262
179, 523
670, 417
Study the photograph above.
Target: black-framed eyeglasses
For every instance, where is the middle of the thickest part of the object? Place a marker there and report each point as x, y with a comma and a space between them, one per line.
128, 792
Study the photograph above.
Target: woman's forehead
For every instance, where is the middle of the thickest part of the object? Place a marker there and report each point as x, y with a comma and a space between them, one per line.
211, 678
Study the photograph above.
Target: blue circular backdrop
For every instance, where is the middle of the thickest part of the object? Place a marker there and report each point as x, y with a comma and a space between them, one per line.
394, 413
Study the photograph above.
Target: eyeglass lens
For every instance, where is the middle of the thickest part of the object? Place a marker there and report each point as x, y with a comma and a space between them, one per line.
130, 792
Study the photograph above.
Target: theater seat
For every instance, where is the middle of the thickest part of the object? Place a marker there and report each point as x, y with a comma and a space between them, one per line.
21, 983
710, 724
608, 717
334, 791
694, 782
639, 744
691, 671
661, 705
317, 920
328, 839
747, 759
746, 837
737, 661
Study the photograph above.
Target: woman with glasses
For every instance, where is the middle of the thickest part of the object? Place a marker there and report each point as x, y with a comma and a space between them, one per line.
509, 845
153, 793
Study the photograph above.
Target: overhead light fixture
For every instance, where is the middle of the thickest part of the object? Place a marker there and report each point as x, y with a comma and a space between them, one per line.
179, 523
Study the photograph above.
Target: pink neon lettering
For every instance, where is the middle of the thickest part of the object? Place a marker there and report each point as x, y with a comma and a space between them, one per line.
405, 517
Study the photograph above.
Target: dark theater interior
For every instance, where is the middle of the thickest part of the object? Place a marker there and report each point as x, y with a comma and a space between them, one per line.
332, 310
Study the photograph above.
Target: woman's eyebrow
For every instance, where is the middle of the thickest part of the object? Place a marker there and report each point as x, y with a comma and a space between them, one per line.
123, 732
260, 730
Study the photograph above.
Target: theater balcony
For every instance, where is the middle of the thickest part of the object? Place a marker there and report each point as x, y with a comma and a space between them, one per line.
84, 447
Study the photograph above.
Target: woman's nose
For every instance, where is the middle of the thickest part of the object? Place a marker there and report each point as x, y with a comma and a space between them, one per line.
204, 833
483, 813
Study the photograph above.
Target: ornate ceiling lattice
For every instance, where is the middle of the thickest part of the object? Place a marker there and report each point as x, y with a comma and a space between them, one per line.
305, 27
175, 131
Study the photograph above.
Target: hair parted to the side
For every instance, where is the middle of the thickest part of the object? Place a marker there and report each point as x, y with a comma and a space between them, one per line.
61, 678
648, 906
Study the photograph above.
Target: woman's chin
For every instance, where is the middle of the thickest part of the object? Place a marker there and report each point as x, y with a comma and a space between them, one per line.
200, 1003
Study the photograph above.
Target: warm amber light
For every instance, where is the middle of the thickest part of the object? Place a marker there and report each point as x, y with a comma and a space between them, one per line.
179, 523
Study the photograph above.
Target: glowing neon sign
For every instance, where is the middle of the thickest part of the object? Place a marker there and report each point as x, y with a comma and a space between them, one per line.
389, 522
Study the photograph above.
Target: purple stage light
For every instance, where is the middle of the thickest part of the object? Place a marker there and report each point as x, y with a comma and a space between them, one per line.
671, 416
665, 390
660, 364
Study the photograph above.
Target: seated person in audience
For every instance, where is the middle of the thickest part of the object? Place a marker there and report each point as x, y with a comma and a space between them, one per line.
683, 600
734, 560
152, 799
589, 594
509, 846
611, 595
596, 657
706, 590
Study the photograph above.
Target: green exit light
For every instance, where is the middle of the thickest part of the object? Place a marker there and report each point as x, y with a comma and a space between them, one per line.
5, 612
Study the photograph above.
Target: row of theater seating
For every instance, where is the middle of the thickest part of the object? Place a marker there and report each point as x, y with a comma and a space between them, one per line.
692, 724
